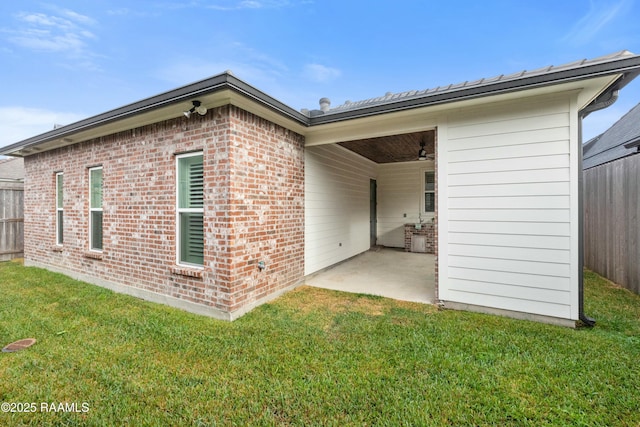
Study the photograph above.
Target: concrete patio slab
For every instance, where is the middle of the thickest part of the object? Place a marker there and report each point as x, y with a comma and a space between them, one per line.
386, 272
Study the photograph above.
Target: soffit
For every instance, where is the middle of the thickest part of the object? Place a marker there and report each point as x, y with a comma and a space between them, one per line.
393, 148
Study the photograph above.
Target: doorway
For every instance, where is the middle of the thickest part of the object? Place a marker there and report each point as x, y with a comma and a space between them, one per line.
373, 213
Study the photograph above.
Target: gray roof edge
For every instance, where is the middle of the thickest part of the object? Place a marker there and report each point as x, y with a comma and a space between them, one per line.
632, 143
626, 65
212, 84
268, 101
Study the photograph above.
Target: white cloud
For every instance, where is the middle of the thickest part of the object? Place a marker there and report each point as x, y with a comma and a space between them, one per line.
82, 19
123, 11
19, 123
248, 4
320, 73
598, 16
64, 32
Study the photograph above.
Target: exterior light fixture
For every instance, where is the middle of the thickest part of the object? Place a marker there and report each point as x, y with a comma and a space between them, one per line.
422, 154
197, 107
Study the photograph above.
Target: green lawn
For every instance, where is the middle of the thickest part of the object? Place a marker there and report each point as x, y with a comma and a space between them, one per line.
312, 357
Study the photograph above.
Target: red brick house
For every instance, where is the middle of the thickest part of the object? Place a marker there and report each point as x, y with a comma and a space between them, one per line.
215, 197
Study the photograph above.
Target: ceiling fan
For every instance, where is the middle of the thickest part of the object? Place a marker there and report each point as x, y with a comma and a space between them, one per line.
422, 153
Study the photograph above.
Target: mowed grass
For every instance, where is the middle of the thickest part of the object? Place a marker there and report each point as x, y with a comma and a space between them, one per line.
311, 357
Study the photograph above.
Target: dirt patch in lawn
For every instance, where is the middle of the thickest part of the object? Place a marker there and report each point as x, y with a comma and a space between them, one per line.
306, 299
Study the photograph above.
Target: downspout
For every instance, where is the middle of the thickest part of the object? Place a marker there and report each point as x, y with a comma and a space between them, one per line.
599, 103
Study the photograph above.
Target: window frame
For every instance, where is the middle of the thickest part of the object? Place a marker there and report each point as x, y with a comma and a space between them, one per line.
59, 182
424, 192
92, 210
180, 211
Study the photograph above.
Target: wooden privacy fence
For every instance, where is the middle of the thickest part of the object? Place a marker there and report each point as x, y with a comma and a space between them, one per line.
11, 223
611, 221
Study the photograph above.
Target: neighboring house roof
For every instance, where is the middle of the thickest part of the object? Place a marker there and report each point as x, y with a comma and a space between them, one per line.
12, 169
227, 89
620, 140
12, 173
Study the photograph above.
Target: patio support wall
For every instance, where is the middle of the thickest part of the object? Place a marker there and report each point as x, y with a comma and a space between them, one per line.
507, 208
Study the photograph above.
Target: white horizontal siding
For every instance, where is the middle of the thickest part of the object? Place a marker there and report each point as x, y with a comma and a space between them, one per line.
509, 265
537, 281
544, 308
400, 190
515, 253
525, 136
511, 240
513, 202
510, 215
504, 227
515, 189
542, 161
505, 208
513, 292
509, 151
336, 205
506, 177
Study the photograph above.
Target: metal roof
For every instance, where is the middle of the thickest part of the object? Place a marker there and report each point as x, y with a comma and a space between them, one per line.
394, 97
610, 145
551, 74
226, 86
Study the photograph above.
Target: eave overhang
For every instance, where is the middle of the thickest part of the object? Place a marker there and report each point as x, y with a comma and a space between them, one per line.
213, 92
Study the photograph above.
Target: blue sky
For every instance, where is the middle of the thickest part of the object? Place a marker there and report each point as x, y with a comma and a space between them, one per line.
66, 60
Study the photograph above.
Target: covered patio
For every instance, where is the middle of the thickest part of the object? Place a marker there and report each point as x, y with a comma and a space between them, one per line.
387, 272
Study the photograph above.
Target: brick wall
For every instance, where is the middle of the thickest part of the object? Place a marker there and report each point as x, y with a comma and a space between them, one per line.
427, 230
254, 208
266, 202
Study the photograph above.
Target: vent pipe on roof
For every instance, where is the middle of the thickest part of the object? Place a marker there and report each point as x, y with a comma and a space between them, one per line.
325, 104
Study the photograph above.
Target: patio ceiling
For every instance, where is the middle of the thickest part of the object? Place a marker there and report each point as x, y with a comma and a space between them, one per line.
393, 148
